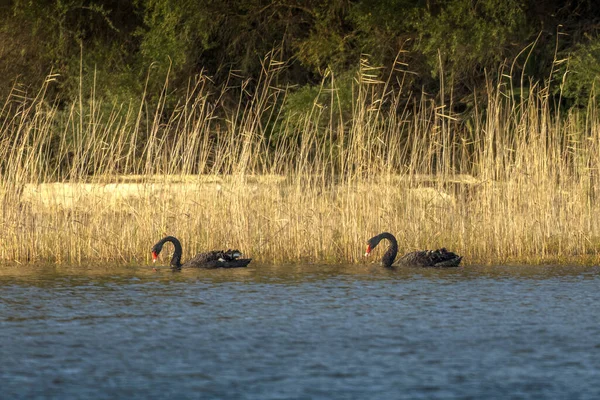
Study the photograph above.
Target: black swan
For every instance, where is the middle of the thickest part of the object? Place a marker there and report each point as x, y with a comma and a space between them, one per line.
211, 259
425, 258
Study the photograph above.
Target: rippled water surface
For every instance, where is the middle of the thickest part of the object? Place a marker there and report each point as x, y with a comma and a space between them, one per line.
300, 332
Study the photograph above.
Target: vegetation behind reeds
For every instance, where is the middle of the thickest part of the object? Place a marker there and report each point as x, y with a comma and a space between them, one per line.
514, 181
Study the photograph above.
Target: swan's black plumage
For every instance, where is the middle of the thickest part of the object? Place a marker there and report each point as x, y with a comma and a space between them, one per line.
425, 258
211, 259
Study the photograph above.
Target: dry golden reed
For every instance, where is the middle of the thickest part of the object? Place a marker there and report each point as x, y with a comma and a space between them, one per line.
511, 182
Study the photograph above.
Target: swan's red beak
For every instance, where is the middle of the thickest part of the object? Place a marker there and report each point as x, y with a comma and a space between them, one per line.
368, 252
154, 256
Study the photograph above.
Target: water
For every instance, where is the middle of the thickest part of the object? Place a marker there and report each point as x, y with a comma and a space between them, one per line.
300, 332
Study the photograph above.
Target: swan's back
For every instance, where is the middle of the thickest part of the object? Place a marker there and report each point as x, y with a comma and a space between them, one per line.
430, 258
218, 259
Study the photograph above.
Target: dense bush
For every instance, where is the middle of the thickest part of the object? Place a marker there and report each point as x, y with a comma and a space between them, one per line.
122, 48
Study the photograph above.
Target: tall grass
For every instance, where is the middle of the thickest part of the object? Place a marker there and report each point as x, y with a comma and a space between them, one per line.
514, 181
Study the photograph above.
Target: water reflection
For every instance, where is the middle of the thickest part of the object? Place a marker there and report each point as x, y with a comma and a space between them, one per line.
81, 275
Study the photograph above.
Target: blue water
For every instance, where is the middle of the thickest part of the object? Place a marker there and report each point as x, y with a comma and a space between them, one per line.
300, 332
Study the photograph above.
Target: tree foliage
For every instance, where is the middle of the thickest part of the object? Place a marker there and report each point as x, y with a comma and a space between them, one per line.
460, 42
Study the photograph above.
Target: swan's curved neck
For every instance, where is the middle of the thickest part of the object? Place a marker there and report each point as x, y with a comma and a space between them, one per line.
176, 260
390, 254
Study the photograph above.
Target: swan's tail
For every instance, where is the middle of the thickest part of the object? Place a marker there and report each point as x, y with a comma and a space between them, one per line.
229, 255
453, 262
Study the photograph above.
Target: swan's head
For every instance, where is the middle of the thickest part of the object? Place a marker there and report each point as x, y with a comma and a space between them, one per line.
373, 242
155, 252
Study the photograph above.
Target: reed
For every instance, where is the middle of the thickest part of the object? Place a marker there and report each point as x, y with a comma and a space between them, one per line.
513, 182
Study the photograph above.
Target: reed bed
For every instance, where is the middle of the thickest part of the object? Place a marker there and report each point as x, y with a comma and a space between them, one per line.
515, 181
